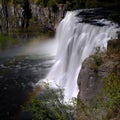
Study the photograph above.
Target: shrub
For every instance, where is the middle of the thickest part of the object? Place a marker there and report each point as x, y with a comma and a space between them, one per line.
106, 104
49, 106
97, 57
52, 4
112, 90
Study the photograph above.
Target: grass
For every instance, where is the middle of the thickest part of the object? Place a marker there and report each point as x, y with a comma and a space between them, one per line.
7, 41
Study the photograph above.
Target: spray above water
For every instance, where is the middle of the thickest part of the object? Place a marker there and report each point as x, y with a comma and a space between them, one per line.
76, 42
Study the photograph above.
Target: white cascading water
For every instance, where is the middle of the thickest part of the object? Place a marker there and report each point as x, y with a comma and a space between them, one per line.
76, 41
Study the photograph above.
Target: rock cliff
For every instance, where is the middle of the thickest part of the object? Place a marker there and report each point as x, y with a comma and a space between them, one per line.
40, 16
91, 82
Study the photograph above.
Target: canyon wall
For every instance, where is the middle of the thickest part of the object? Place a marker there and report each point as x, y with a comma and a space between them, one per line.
93, 102
41, 16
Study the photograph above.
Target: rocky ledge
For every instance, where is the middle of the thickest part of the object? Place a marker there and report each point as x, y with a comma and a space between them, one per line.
98, 80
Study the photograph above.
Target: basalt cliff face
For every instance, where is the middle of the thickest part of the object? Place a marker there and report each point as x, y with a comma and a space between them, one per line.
97, 80
47, 16
40, 16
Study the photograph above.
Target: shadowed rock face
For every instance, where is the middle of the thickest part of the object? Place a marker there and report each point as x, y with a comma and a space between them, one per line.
90, 80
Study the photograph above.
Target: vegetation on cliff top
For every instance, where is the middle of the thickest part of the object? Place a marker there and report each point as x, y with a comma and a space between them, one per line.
76, 4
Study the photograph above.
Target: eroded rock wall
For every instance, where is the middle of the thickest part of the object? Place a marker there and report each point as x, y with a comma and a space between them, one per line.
40, 15
90, 82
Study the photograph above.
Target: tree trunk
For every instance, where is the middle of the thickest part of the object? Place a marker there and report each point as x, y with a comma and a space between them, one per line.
5, 13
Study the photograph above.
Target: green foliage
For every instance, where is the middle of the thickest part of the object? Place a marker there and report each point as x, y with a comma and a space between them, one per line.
97, 57
107, 104
52, 4
112, 90
7, 41
92, 4
49, 106
115, 17
77, 4
42, 2
68, 4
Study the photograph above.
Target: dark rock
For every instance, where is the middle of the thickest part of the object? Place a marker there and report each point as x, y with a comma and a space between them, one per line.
89, 81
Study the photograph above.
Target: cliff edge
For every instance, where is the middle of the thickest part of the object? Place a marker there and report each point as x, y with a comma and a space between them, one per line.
99, 85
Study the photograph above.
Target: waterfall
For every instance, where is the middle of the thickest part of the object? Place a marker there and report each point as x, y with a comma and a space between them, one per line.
76, 41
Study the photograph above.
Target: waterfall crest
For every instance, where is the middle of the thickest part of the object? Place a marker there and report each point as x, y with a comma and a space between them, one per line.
76, 42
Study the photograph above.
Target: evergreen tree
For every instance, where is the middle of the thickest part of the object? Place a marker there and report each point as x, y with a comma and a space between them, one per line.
26, 13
